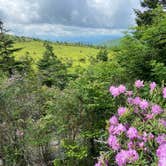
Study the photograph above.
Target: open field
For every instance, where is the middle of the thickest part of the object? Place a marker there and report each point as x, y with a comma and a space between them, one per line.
78, 55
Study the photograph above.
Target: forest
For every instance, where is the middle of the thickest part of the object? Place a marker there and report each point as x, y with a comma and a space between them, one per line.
65, 104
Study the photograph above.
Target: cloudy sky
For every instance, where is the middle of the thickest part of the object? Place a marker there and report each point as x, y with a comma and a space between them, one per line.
68, 20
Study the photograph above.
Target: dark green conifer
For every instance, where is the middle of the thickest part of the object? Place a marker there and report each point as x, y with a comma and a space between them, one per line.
146, 17
7, 61
52, 71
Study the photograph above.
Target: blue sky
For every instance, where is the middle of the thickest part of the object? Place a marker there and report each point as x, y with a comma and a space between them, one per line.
89, 21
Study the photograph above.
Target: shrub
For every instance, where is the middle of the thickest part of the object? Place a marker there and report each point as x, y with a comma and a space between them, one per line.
137, 132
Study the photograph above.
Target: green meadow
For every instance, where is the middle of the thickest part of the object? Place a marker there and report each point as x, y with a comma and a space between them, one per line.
77, 55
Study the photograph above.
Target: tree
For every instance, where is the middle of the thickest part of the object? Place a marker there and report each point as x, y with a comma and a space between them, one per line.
146, 17
146, 44
82, 108
24, 65
102, 55
7, 61
52, 71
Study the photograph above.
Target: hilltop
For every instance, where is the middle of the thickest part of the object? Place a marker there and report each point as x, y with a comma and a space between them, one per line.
77, 54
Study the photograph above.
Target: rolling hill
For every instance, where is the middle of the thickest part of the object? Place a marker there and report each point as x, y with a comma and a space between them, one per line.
76, 54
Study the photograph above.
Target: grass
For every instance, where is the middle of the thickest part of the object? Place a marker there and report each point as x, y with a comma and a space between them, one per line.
79, 56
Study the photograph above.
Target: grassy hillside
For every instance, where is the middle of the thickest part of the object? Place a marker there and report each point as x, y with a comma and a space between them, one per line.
78, 55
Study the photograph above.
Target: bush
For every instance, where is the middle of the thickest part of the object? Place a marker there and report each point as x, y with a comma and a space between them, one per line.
137, 132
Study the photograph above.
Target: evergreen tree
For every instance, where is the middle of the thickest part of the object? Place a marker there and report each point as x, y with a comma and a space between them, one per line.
52, 71
102, 55
24, 65
7, 61
146, 17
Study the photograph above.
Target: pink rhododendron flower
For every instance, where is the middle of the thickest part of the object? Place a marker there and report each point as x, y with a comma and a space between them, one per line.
119, 129
111, 88
122, 111
139, 84
149, 116
130, 100
122, 158
161, 151
116, 130
164, 92
152, 86
162, 161
156, 109
113, 120
130, 145
162, 122
114, 91
126, 156
136, 100
132, 133
112, 129
143, 104
132, 156
113, 142
122, 89
161, 139
140, 137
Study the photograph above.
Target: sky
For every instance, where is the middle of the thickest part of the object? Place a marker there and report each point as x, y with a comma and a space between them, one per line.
87, 21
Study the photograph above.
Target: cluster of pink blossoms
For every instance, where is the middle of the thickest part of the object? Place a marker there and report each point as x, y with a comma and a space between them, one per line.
161, 151
136, 140
116, 91
139, 84
128, 151
126, 156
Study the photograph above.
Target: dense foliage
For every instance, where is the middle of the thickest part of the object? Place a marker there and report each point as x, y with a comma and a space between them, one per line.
52, 71
55, 116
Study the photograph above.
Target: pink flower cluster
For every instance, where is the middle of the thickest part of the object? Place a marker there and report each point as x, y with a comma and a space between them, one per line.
162, 122
164, 93
152, 86
116, 91
122, 111
134, 140
126, 156
132, 133
139, 84
161, 154
137, 101
115, 130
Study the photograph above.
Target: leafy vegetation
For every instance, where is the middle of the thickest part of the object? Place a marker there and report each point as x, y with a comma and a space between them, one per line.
55, 101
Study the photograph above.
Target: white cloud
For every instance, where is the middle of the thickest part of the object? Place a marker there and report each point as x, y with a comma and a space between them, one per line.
67, 17
58, 30
19, 11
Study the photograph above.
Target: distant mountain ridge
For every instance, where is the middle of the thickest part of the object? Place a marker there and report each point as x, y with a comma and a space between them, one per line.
112, 43
30, 39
